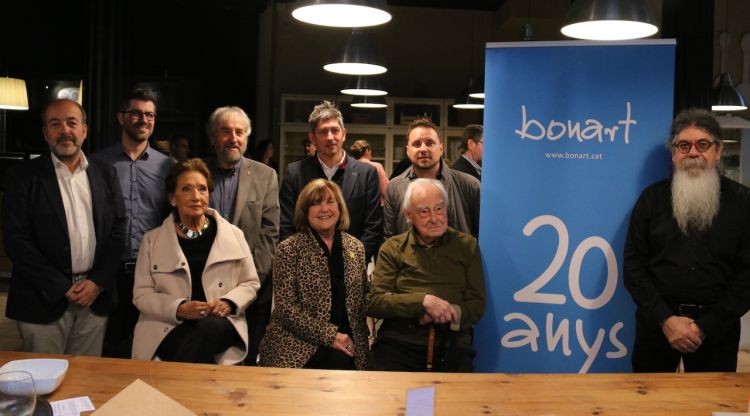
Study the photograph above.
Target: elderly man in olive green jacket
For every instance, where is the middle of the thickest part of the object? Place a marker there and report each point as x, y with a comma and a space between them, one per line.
428, 287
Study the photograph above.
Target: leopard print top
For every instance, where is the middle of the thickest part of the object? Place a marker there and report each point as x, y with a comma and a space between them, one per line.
302, 302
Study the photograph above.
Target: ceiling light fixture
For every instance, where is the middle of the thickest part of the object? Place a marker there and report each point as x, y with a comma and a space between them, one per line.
471, 97
364, 101
369, 86
725, 96
478, 91
609, 20
467, 102
356, 56
343, 13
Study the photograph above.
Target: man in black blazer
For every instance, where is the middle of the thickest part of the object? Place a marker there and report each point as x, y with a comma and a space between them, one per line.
63, 225
358, 181
473, 144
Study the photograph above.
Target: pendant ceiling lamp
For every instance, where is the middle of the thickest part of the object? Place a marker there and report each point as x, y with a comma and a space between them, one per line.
477, 91
355, 57
472, 97
343, 13
362, 85
725, 96
13, 94
467, 102
609, 20
369, 101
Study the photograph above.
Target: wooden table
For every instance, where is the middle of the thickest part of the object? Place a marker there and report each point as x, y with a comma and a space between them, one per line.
214, 390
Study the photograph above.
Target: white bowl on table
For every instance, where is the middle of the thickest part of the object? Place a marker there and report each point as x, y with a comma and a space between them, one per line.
47, 373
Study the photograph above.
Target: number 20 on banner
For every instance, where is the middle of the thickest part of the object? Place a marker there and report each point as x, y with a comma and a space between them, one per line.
532, 293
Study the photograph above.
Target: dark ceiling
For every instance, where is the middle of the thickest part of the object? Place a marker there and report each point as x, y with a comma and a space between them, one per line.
450, 4
439, 4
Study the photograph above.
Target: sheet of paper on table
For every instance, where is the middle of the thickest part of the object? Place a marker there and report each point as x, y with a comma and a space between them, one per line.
72, 407
420, 402
141, 399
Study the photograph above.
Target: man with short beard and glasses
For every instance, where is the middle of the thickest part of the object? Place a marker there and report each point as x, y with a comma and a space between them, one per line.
246, 193
63, 222
142, 171
687, 257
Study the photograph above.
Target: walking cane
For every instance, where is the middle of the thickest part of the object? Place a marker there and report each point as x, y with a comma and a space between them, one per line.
430, 347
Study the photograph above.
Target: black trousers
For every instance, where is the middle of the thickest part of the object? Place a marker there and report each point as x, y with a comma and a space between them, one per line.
258, 315
392, 355
330, 359
118, 338
198, 341
652, 353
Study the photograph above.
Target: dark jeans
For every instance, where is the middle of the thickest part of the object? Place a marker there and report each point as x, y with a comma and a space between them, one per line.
652, 353
392, 355
198, 341
118, 338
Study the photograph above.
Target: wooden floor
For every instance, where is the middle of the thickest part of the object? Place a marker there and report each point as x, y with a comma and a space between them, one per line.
10, 341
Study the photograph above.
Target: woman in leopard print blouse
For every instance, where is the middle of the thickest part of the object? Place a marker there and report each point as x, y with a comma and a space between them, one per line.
320, 288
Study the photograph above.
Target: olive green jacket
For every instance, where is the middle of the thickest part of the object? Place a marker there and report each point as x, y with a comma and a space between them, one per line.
407, 271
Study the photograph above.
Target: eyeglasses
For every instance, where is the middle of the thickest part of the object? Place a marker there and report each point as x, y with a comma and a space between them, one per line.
701, 146
136, 114
425, 212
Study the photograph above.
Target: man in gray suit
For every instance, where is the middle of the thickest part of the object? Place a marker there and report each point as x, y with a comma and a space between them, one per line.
246, 193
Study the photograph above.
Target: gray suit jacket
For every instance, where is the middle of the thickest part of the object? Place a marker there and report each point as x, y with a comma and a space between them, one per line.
256, 212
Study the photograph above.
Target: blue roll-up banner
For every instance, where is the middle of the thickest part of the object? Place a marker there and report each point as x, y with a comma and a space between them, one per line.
574, 131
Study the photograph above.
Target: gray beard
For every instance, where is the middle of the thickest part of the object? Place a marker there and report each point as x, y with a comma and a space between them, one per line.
695, 196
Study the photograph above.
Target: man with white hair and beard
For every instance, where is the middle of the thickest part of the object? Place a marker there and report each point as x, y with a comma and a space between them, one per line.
687, 257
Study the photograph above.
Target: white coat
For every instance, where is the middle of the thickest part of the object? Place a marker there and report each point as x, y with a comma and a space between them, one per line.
163, 282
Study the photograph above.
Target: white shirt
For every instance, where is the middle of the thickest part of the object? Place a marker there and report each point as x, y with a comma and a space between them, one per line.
332, 170
76, 196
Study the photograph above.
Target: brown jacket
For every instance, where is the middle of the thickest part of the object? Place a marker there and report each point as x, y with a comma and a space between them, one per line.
162, 282
302, 302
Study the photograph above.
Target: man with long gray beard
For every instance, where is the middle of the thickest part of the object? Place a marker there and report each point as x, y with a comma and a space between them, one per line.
687, 257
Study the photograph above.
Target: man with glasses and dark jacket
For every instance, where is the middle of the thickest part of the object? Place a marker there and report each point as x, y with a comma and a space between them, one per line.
142, 171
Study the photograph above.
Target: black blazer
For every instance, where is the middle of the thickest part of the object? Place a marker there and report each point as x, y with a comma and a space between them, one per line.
463, 165
360, 187
37, 242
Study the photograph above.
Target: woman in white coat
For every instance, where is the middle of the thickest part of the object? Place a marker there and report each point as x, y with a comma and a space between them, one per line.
193, 279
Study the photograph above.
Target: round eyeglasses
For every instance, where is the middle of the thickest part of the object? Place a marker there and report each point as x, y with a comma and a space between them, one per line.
701, 145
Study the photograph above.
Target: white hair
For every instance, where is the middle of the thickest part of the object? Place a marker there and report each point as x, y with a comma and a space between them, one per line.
221, 114
421, 184
696, 191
